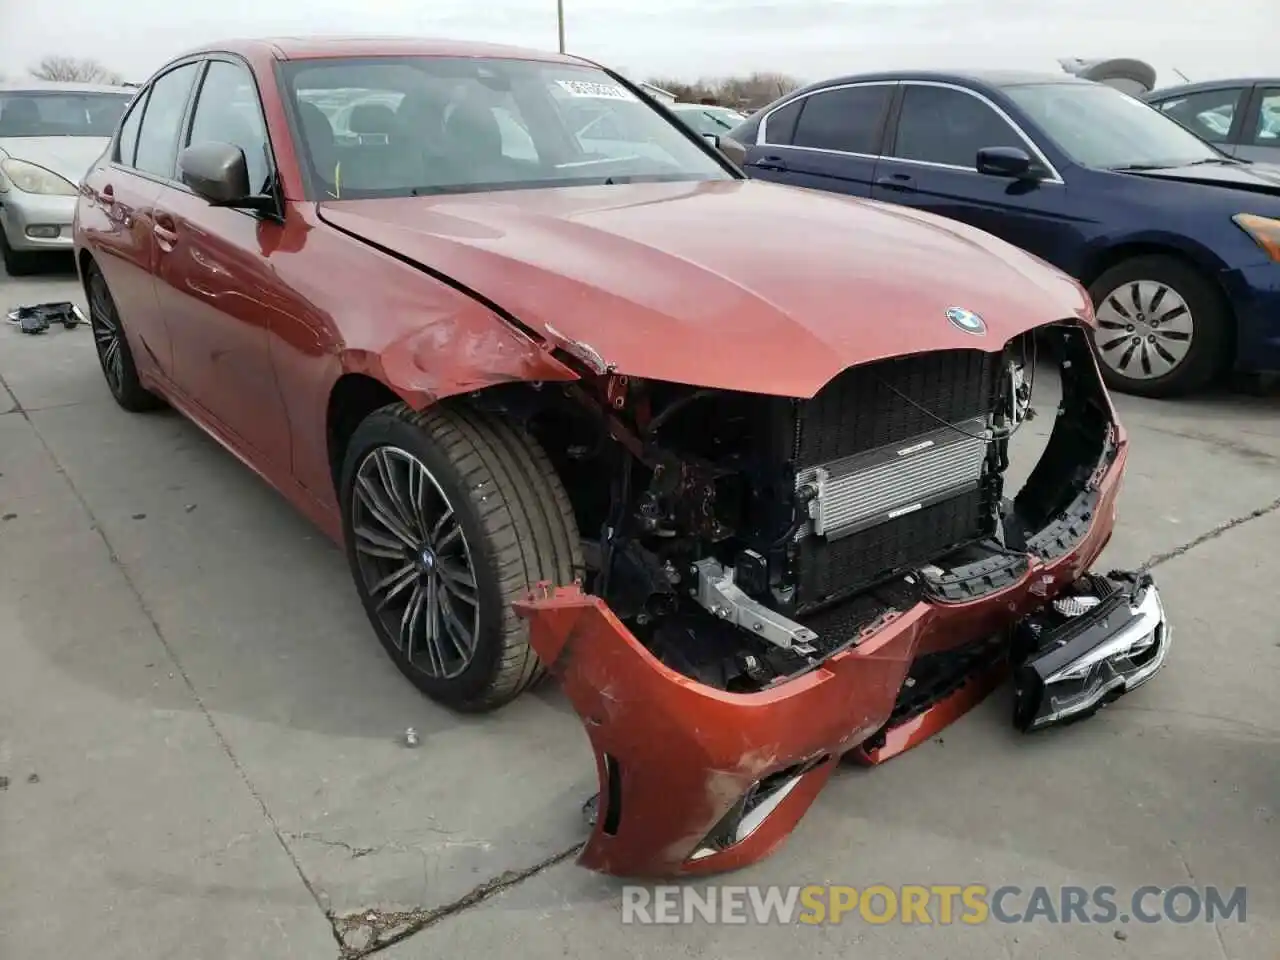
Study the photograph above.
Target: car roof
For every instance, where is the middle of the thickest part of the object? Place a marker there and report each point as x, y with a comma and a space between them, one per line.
61, 86
1200, 86
988, 78
321, 47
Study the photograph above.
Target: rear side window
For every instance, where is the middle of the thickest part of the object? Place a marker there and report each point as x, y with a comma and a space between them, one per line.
1208, 114
780, 126
848, 119
227, 111
127, 144
948, 126
161, 123
1265, 130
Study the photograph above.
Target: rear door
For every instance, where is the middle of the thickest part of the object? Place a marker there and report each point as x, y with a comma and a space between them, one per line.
120, 221
930, 163
1215, 115
214, 282
114, 221
825, 140
1260, 136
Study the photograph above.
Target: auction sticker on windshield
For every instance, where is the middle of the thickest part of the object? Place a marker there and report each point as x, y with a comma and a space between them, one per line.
596, 91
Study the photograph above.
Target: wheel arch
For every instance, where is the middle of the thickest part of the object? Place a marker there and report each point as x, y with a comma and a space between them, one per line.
357, 393
1198, 258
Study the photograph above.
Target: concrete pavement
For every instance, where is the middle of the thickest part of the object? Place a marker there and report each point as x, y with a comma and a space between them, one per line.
216, 738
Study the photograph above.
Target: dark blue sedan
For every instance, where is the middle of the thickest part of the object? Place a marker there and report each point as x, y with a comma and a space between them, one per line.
1178, 243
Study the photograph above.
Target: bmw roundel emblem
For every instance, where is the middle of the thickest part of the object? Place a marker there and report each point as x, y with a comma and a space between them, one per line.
966, 320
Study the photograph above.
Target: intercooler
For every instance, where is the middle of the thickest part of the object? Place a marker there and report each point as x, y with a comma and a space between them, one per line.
890, 457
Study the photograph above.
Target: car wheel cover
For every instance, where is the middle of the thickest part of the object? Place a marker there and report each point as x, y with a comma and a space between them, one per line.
415, 562
106, 333
1145, 329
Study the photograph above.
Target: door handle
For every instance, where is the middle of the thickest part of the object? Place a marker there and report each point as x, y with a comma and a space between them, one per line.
902, 182
165, 233
772, 163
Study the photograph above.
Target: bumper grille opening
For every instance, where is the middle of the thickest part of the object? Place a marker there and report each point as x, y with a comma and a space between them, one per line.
874, 407
613, 796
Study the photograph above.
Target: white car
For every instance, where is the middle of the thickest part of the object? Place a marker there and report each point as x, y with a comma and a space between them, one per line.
50, 134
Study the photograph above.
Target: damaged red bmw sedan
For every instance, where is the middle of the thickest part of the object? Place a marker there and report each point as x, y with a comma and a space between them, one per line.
726, 458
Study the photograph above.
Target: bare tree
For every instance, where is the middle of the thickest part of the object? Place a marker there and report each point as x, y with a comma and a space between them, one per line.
748, 92
74, 69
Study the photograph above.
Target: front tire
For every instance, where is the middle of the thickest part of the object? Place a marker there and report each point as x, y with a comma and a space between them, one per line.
449, 516
17, 264
114, 355
1164, 329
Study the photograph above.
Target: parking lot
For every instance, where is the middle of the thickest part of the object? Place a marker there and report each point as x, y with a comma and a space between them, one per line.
204, 752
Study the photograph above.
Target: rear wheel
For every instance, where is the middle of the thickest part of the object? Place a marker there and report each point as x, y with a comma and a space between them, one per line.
1163, 329
448, 517
112, 346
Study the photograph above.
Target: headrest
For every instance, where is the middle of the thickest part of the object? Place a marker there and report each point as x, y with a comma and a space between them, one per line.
372, 118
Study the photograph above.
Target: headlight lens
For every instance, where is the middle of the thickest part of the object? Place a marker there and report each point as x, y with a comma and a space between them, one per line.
30, 178
1264, 230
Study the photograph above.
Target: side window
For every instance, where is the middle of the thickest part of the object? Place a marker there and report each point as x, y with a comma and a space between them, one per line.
127, 144
848, 119
780, 126
227, 111
1266, 125
948, 126
158, 140
1207, 114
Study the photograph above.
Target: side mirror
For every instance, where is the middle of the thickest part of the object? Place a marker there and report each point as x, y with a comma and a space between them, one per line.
1012, 162
218, 173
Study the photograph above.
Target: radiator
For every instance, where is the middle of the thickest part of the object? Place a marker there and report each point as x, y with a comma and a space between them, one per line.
889, 486
865, 489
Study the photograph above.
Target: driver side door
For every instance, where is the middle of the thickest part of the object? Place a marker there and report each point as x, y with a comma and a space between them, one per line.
930, 162
214, 280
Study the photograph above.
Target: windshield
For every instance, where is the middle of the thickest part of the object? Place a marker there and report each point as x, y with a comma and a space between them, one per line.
38, 113
414, 126
1099, 126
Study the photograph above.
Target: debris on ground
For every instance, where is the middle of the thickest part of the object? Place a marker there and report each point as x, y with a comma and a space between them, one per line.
411, 737
37, 318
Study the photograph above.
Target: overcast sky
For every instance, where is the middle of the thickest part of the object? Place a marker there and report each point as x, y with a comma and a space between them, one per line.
687, 38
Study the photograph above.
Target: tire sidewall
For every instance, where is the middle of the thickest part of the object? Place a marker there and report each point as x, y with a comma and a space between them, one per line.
131, 395
1210, 320
382, 429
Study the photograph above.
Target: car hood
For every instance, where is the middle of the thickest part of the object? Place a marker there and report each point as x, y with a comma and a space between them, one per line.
68, 157
1254, 177
738, 284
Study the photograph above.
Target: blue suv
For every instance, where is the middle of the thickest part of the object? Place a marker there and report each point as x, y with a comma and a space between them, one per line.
1177, 242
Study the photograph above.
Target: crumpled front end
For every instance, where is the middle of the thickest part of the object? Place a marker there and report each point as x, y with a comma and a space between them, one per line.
703, 771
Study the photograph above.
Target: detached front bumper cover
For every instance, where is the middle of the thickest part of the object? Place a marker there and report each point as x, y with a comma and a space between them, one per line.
1106, 636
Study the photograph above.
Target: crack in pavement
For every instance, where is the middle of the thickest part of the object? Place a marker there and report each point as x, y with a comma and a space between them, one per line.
1158, 558
172, 654
367, 932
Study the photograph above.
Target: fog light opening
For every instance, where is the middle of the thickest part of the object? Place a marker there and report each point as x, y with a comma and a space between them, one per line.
44, 231
755, 806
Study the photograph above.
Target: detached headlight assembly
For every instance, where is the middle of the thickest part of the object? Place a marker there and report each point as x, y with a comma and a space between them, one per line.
1264, 230
30, 178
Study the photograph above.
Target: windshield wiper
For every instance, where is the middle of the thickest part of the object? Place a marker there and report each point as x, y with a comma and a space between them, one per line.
1138, 167
1225, 161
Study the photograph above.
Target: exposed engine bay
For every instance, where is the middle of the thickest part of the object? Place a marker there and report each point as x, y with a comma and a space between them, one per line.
744, 538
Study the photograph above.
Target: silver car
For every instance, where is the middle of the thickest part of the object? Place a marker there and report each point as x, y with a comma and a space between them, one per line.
50, 134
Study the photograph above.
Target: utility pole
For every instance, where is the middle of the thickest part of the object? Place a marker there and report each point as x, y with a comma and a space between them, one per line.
560, 21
